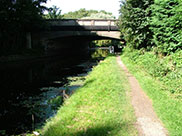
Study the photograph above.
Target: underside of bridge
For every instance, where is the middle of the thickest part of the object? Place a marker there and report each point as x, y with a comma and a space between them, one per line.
63, 34
61, 41
75, 35
72, 43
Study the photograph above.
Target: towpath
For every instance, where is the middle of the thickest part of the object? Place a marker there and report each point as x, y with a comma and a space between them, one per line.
148, 124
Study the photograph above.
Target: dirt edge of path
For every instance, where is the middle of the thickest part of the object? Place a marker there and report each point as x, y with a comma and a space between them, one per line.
148, 124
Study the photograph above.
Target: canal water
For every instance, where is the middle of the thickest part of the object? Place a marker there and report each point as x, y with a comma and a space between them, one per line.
32, 91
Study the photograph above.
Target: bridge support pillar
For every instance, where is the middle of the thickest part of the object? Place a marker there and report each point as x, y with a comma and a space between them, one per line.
29, 40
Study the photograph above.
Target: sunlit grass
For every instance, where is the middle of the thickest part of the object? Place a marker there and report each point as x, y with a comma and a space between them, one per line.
100, 108
168, 109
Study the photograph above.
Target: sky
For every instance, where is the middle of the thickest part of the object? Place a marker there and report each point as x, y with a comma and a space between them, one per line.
66, 6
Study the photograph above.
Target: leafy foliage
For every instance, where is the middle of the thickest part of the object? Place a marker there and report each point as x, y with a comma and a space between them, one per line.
159, 69
134, 23
53, 13
149, 23
166, 69
160, 26
16, 18
100, 15
166, 24
106, 43
168, 106
90, 14
78, 14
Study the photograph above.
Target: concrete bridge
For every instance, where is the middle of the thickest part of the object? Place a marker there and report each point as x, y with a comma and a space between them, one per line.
105, 28
92, 29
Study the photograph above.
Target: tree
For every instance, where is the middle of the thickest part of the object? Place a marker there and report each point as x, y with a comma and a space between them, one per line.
76, 14
134, 23
54, 13
166, 24
16, 18
83, 13
100, 15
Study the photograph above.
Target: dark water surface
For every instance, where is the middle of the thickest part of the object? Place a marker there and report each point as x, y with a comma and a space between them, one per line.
29, 89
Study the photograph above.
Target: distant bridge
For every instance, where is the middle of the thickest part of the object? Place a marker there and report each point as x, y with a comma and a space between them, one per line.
92, 29
81, 27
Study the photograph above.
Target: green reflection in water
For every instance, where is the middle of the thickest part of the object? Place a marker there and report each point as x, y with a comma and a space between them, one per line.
100, 53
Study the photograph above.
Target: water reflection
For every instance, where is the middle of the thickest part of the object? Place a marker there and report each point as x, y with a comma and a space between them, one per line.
30, 91
100, 53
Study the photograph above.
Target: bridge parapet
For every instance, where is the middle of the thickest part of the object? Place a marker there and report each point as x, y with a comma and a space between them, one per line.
82, 22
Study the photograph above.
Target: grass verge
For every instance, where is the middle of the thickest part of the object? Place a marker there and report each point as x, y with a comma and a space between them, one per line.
100, 108
168, 109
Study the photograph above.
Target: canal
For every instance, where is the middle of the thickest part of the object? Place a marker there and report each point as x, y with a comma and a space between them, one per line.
32, 91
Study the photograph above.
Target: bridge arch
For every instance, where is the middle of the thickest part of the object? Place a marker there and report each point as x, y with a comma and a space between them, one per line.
76, 27
92, 29
99, 34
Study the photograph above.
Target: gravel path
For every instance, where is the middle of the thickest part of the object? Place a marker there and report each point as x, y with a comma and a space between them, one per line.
147, 123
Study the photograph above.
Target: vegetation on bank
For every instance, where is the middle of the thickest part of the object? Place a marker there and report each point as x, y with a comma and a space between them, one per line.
17, 18
101, 107
152, 24
135, 24
161, 82
166, 69
166, 24
152, 31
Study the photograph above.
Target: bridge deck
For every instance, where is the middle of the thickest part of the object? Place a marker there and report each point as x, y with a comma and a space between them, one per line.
83, 25
83, 22
84, 28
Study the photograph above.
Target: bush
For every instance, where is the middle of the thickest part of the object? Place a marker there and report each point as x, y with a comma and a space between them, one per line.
166, 24
167, 69
134, 23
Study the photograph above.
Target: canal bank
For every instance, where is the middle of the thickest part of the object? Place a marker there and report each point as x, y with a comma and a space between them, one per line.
100, 107
32, 89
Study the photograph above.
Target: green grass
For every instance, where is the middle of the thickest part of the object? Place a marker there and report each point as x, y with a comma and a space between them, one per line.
167, 107
100, 108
